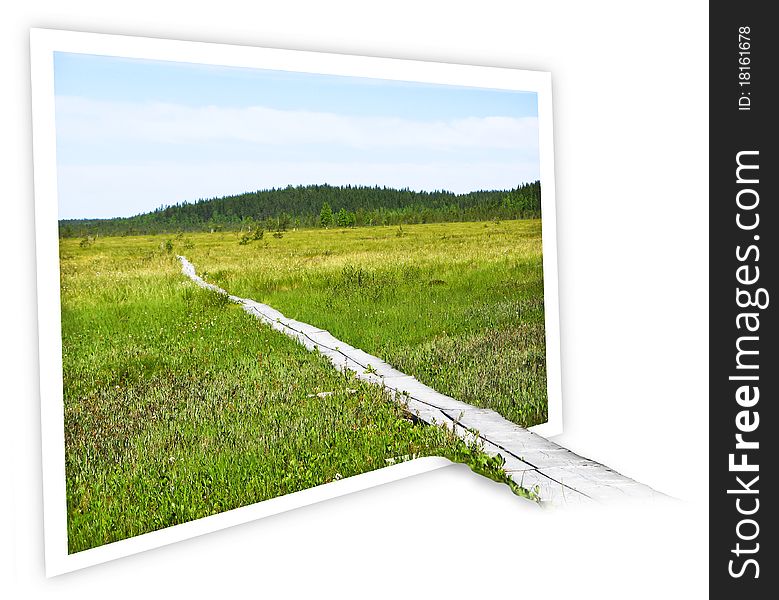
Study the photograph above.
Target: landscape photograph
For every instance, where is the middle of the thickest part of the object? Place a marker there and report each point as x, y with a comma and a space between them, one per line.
273, 280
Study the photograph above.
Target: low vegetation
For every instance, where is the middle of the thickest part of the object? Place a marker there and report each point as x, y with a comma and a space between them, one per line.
179, 405
458, 305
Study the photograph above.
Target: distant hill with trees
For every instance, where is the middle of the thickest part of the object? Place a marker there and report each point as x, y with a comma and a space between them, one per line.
318, 206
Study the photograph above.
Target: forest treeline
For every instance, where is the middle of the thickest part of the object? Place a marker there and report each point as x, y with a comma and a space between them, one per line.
318, 206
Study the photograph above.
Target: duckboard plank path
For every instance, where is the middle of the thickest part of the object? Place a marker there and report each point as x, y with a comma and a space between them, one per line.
558, 476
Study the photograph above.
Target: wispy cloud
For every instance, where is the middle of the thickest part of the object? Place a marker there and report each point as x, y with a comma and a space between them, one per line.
85, 121
118, 158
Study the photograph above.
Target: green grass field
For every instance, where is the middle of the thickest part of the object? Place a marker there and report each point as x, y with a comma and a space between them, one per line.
179, 405
458, 305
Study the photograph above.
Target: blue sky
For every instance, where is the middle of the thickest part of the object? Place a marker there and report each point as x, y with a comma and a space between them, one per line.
133, 135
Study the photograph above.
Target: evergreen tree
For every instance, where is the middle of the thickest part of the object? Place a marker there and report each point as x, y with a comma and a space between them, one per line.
326, 215
342, 218
278, 209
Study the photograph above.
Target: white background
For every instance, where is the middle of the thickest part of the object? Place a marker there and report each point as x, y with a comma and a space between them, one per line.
631, 142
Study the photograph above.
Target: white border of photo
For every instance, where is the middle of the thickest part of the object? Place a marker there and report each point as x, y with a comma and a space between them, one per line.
43, 44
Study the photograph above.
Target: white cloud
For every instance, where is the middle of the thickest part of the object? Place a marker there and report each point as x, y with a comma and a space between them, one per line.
84, 120
122, 158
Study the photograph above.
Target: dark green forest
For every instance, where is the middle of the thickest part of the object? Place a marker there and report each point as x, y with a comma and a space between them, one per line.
318, 206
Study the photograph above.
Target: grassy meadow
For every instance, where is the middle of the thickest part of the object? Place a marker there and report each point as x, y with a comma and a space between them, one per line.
458, 305
178, 405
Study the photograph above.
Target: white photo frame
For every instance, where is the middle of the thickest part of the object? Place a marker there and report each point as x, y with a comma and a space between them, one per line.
44, 43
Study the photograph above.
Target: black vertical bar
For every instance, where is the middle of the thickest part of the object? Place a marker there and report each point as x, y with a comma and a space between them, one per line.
743, 261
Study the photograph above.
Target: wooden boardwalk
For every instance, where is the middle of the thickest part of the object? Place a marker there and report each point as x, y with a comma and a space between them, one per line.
556, 474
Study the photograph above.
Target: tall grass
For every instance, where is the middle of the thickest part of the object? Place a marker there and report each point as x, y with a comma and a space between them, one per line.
178, 405
458, 305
